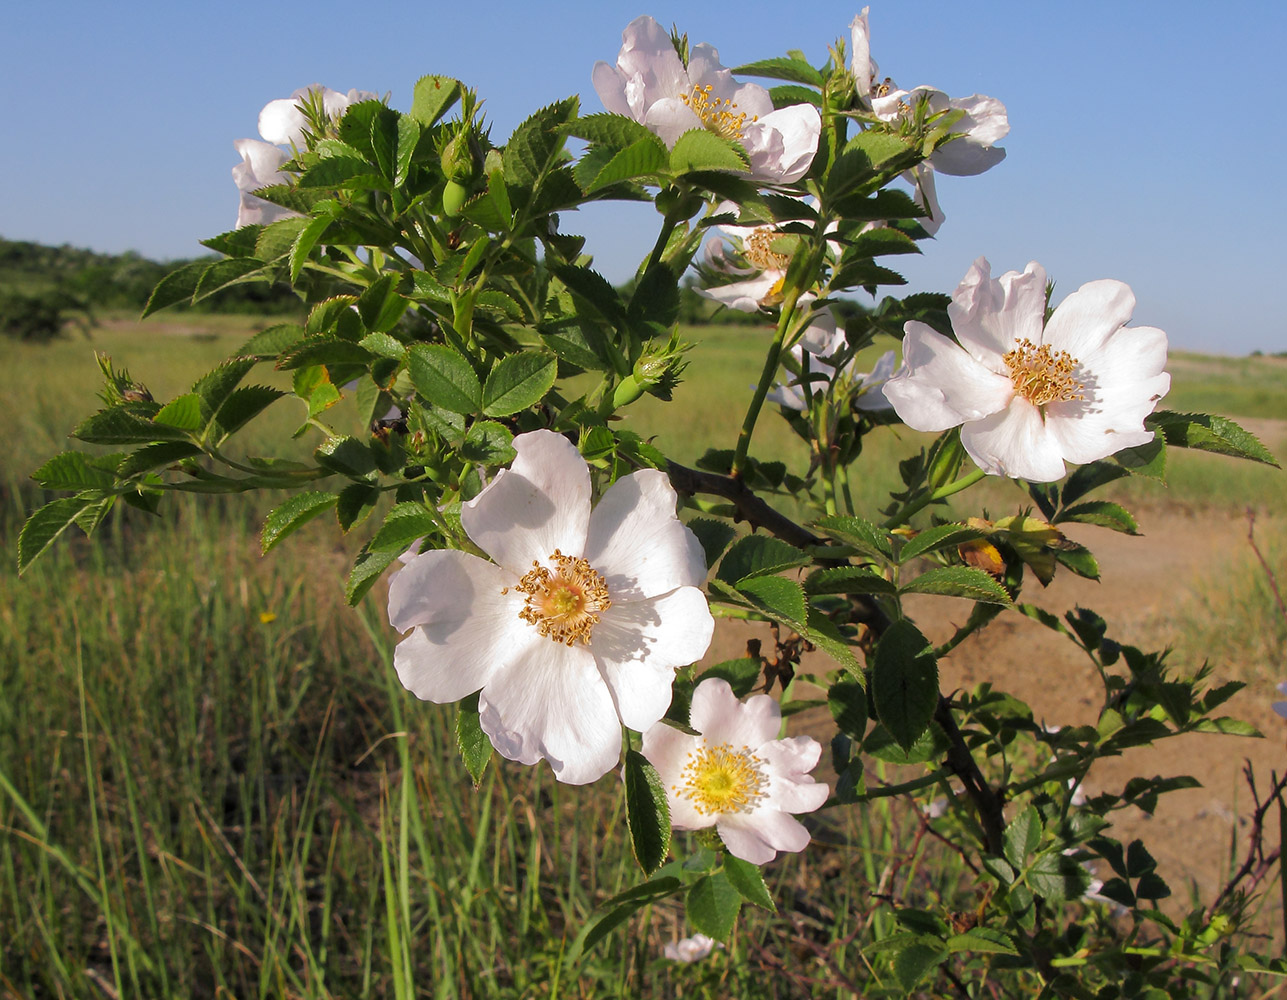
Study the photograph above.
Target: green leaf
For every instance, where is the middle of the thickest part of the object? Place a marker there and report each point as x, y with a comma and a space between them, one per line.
408, 139
242, 406
346, 455
713, 905
269, 343
355, 504
848, 703
293, 514
758, 555
324, 351
848, 580
983, 939
47, 523
443, 377
741, 674
1148, 460
474, 746
1207, 432
305, 241
177, 286
782, 68
1103, 513
701, 149
366, 570
647, 814
714, 537
749, 882
519, 381
488, 443
824, 634
915, 961
183, 412
858, 534
154, 456
1058, 877
405, 523
785, 95
643, 158
276, 239
125, 425
535, 145
779, 598
619, 909
223, 273
905, 682
608, 129
1022, 835
433, 97
73, 470
380, 306
941, 536
959, 581
1090, 477
881, 745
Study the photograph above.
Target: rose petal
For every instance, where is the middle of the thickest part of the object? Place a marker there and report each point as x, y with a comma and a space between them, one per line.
639, 644
539, 504
669, 750
1015, 442
940, 385
990, 316
758, 836
465, 627
551, 703
638, 544
670, 118
721, 718
1085, 320
782, 144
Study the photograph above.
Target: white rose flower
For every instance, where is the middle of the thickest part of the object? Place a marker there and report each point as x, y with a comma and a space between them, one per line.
736, 775
282, 121
1029, 396
578, 625
259, 168
983, 125
824, 340
754, 259
650, 84
690, 949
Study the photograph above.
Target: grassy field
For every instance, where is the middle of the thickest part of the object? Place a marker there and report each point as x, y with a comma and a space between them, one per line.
211, 783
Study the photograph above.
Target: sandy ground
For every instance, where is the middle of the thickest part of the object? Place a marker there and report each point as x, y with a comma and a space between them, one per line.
1149, 583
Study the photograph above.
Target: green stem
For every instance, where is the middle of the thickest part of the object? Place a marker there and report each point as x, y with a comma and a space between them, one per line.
925, 499
669, 222
767, 374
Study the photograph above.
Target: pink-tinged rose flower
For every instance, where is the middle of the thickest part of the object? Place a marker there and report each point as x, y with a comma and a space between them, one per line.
579, 624
1029, 395
736, 775
651, 84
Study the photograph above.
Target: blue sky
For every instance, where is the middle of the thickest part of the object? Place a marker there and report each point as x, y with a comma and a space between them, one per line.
1146, 141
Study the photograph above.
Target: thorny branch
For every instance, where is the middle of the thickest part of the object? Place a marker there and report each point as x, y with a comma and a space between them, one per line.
1257, 863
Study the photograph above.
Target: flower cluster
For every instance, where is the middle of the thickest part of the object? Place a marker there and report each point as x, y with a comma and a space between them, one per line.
1027, 394
823, 340
282, 122
652, 85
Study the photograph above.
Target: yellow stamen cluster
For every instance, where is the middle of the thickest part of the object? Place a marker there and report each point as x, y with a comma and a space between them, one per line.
758, 250
719, 114
564, 603
1043, 376
719, 779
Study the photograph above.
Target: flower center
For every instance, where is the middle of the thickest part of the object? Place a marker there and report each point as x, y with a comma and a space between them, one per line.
719, 114
1041, 376
720, 779
564, 603
758, 250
